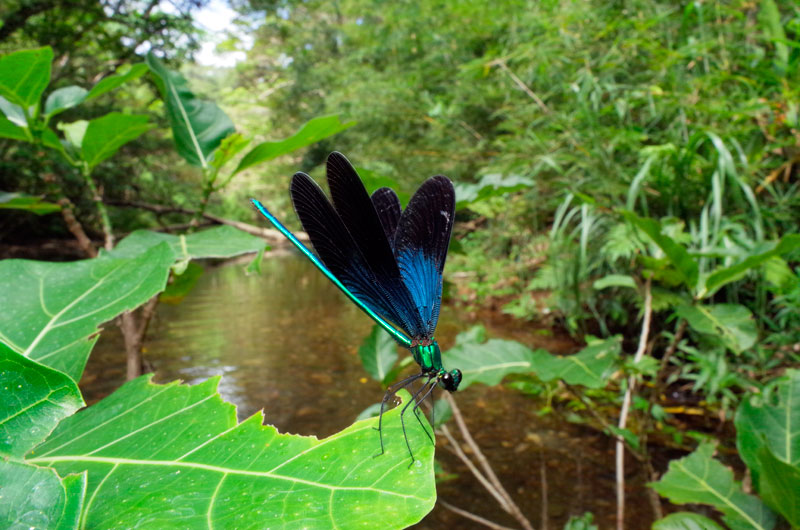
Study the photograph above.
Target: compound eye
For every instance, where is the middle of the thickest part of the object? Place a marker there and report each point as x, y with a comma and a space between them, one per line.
449, 382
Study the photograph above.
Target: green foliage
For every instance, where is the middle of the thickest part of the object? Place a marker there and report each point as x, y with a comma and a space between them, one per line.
59, 306
780, 486
685, 521
698, 478
490, 185
198, 126
111, 82
768, 443
771, 424
378, 354
57, 501
24, 75
157, 454
685, 266
487, 361
583, 522
36, 399
21, 201
591, 367
215, 469
218, 242
731, 324
315, 130
104, 136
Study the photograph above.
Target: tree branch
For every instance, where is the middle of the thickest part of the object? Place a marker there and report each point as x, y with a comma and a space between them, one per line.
267, 233
17, 19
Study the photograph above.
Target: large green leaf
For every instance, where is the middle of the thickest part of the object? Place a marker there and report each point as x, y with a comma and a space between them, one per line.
172, 455
779, 486
684, 264
313, 131
74, 131
591, 367
35, 497
14, 113
182, 284
58, 306
378, 354
774, 424
198, 126
218, 242
24, 75
111, 82
11, 130
64, 98
28, 203
232, 145
490, 185
726, 275
35, 399
685, 521
490, 362
104, 136
698, 478
732, 324
50, 139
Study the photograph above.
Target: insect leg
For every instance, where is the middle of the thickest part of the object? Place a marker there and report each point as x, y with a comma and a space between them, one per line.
402, 412
432, 384
391, 391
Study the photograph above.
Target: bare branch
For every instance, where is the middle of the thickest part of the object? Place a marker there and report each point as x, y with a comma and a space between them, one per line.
473, 517
626, 403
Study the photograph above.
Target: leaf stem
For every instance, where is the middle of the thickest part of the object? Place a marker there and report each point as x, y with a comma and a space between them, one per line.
101, 207
626, 403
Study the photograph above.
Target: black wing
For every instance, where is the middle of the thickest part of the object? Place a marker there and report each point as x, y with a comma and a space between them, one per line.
421, 242
353, 204
387, 205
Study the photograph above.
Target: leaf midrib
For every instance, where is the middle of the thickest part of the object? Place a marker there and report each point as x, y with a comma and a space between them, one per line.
188, 123
704, 485
51, 323
207, 467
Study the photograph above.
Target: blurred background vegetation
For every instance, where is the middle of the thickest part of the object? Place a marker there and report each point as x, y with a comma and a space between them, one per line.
613, 160
661, 107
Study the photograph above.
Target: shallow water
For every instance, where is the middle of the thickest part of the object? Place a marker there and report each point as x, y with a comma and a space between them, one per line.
287, 340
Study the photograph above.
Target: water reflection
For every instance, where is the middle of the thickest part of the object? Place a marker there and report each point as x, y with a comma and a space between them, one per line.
287, 341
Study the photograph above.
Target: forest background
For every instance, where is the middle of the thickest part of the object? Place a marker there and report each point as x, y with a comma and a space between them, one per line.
626, 172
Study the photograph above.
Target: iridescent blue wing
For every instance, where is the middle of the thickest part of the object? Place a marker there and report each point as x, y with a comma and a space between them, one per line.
358, 214
420, 245
387, 205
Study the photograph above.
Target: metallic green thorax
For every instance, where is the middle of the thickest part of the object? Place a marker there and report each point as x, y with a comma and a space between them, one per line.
429, 357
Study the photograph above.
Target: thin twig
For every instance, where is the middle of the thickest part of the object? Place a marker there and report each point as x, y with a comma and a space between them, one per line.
266, 233
604, 422
473, 517
75, 227
474, 470
513, 509
626, 403
543, 481
658, 388
487, 468
525, 88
